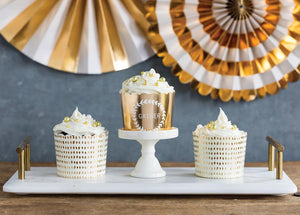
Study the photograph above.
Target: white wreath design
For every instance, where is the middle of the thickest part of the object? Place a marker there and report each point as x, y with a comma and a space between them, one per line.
144, 102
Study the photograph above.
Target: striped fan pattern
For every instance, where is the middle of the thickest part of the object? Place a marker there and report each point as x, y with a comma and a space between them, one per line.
228, 49
77, 36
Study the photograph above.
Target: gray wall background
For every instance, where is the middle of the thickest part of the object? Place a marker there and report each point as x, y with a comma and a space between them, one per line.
33, 98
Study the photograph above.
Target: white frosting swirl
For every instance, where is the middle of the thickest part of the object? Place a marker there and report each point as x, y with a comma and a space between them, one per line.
148, 82
79, 124
221, 127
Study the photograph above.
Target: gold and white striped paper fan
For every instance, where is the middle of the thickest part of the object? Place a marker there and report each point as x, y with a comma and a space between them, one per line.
77, 36
228, 48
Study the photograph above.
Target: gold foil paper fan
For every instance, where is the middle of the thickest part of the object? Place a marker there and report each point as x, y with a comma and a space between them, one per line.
78, 36
228, 48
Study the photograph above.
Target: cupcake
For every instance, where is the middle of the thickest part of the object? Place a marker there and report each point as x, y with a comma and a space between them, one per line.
147, 102
219, 149
80, 147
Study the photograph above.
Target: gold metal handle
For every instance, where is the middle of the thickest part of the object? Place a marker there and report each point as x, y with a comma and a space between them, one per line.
23, 151
273, 144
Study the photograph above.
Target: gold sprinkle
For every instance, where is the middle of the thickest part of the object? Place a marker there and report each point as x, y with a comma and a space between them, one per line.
68, 126
94, 125
151, 75
142, 73
214, 127
85, 123
162, 79
234, 127
145, 82
157, 84
77, 120
98, 123
67, 119
134, 79
208, 125
211, 122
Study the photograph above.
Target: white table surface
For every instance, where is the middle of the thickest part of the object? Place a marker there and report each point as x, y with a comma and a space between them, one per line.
179, 180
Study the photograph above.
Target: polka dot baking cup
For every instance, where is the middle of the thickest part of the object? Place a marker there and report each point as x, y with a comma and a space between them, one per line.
219, 157
81, 157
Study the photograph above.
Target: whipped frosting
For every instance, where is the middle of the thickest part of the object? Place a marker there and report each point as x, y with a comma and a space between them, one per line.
147, 82
221, 127
79, 124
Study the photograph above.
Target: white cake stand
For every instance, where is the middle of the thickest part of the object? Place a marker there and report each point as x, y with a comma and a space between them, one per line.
148, 166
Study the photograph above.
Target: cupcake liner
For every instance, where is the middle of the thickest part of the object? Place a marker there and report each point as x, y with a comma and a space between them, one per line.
219, 157
147, 112
81, 156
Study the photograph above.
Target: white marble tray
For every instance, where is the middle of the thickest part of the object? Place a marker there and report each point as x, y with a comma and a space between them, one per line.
256, 181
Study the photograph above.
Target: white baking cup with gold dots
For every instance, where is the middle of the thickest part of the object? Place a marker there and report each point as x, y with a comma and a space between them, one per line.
81, 157
219, 157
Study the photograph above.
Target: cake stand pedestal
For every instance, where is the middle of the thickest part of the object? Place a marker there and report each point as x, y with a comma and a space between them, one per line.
148, 166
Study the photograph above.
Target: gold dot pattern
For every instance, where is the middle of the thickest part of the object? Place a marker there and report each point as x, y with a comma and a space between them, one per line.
219, 157
81, 157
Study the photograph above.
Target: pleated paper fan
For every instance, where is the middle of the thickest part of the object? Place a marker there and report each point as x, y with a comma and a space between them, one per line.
240, 49
78, 36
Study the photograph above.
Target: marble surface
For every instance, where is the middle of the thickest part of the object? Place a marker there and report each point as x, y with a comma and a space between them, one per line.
179, 180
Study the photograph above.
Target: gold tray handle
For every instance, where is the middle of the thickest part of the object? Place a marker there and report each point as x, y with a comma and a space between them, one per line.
273, 144
23, 151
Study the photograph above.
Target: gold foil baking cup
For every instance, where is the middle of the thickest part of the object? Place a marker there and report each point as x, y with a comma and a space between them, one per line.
147, 112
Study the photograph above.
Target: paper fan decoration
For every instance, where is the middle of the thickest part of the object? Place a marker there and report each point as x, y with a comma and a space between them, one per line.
78, 36
228, 48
